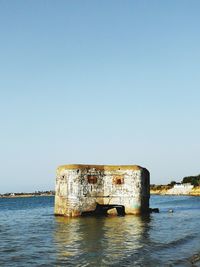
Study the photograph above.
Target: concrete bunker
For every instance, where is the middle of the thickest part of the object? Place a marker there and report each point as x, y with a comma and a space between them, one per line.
84, 190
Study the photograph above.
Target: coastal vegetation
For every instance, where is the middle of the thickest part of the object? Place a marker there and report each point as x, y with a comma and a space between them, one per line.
163, 189
193, 180
155, 187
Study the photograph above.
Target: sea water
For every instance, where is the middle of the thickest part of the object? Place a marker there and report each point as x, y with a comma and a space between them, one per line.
30, 235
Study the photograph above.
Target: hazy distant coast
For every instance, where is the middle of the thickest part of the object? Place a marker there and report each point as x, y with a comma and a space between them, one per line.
34, 194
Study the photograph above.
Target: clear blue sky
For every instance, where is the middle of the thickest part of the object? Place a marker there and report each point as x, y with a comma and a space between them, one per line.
103, 82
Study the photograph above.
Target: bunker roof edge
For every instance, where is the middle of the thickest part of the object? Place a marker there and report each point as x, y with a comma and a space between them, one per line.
100, 167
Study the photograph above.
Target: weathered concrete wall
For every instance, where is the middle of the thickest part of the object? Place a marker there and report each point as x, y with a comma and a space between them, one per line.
80, 187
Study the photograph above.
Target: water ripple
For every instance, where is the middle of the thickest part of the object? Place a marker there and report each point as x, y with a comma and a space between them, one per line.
31, 236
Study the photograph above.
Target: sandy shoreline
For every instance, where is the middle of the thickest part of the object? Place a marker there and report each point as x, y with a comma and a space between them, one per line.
164, 191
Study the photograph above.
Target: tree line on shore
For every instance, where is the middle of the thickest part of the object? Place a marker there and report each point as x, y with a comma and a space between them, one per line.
193, 180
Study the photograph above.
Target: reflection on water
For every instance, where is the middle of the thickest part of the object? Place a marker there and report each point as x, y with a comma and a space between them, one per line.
100, 241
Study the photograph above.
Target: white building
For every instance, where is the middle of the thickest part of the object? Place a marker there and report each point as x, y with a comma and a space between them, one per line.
180, 189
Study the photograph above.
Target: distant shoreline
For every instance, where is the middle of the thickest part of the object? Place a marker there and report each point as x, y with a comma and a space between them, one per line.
20, 195
164, 190
157, 190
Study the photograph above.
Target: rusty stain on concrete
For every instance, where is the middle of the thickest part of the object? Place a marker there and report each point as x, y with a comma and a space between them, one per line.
83, 188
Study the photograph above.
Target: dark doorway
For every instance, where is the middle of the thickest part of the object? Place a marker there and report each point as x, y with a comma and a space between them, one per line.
101, 210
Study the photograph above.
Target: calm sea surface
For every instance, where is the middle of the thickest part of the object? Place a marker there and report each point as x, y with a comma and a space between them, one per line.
30, 235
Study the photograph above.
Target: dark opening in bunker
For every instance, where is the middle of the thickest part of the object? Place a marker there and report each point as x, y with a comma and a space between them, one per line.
118, 180
101, 210
92, 179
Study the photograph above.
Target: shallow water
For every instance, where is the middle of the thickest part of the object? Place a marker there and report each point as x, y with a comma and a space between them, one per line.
30, 235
